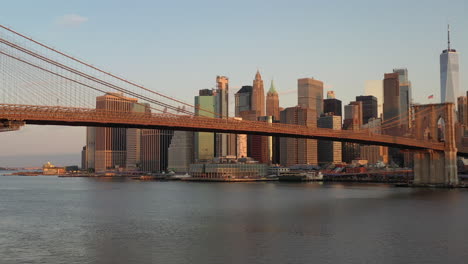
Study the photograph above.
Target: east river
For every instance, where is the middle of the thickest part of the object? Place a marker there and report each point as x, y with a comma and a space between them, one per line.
80, 220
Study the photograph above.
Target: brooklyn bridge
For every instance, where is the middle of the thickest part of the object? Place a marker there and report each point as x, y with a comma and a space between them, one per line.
40, 85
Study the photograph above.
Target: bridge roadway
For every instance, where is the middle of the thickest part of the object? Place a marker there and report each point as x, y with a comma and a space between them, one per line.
70, 116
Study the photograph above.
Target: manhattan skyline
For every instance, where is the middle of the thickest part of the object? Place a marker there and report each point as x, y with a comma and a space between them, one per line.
343, 61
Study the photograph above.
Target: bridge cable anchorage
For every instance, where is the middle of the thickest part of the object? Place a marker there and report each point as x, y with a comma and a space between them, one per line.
110, 74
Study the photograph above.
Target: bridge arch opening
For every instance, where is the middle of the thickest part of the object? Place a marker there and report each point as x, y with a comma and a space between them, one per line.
441, 129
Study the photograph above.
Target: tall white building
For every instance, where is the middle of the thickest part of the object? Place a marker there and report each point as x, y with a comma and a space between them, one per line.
375, 88
449, 75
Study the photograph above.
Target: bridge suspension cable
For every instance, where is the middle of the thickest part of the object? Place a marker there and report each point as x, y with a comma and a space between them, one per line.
177, 109
41, 85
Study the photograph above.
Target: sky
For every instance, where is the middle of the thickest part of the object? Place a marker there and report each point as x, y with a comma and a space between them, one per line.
178, 47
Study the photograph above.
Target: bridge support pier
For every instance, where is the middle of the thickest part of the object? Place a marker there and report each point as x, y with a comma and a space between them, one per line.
435, 168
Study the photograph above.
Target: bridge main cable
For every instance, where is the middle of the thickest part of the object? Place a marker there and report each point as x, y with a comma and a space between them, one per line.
86, 76
108, 73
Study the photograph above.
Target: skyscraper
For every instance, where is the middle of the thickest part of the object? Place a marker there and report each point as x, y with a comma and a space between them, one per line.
353, 116
181, 151
296, 151
261, 149
154, 149
204, 142
222, 93
375, 88
310, 94
131, 149
111, 143
223, 146
165, 142
463, 110
273, 110
243, 110
241, 143
333, 106
405, 97
369, 107
329, 151
392, 104
352, 121
133, 159
449, 77
272, 103
258, 95
90, 148
392, 116
243, 100
257, 144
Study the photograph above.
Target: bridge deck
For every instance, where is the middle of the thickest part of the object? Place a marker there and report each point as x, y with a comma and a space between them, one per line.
69, 116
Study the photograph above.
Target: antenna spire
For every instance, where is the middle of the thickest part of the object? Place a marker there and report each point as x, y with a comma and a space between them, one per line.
448, 36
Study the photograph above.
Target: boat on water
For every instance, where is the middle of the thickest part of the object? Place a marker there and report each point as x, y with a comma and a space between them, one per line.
151, 177
162, 176
301, 176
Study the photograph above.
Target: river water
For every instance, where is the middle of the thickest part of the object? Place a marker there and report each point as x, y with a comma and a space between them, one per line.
78, 220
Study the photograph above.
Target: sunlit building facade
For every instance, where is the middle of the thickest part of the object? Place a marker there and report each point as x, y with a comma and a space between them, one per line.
204, 143
298, 151
352, 121
111, 143
272, 103
463, 109
310, 94
258, 96
375, 88
329, 151
405, 97
224, 142
392, 104
449, 75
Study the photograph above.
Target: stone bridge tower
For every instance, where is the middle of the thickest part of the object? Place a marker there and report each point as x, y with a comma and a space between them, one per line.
435, 123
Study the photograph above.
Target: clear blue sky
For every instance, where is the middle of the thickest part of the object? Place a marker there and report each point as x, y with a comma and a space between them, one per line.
178, 47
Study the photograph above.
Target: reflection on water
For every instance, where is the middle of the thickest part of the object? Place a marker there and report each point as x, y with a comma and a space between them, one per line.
78, 220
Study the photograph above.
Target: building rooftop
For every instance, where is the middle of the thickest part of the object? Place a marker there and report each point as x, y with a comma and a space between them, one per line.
272, 88
245, 89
